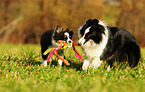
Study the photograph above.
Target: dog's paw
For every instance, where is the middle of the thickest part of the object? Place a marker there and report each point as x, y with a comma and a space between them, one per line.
85, 65
44, 63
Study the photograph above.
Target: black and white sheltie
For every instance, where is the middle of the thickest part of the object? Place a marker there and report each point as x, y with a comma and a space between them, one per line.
103, 43
49, 39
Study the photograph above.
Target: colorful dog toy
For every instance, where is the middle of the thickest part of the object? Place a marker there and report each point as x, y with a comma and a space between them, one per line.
63, 45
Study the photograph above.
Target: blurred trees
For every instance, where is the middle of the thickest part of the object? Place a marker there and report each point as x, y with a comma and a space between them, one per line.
132, 18
41, 15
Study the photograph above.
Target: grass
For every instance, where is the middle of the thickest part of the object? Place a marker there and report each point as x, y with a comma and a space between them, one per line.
21, 71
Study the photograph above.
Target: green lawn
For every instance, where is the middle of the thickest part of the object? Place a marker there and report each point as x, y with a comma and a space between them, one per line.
21, 71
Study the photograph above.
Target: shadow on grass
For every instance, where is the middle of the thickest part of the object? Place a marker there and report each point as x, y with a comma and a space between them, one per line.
33, 63
73, 65
54, 63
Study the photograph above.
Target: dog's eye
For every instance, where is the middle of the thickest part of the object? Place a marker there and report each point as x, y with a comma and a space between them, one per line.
89, 36
70, 36
65, 36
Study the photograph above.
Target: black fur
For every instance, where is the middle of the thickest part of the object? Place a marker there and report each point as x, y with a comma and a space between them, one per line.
121, 46
88, 24
46, 41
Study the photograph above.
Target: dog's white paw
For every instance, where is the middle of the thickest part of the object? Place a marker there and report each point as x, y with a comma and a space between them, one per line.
95, 64
60, 61
44, 62
108, 68
85, 65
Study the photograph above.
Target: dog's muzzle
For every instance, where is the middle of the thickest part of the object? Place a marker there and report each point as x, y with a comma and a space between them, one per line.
81, 41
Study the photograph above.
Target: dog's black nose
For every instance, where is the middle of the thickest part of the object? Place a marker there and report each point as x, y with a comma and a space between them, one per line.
69, 41
79, 44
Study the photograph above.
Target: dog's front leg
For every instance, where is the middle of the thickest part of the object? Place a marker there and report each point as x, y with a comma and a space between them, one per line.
61, 54
96, 62
44, 62
85, 64
60, 61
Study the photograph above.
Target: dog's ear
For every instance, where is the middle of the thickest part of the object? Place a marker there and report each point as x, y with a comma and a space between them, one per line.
71, 32
59, 29
95, 21
88, 20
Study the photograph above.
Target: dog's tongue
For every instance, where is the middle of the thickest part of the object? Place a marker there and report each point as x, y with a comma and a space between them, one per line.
76, 53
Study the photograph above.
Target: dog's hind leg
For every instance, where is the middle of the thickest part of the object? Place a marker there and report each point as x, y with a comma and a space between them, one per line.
133, 52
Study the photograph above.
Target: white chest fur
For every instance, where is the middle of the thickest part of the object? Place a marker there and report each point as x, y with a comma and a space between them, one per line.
93, 50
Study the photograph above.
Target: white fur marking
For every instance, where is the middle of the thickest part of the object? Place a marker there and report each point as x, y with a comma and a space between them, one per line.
79, 35
44, 62
82, 40
67, 34
60, 61
95, 63
87, 30
68, 39
108, 68
85, 65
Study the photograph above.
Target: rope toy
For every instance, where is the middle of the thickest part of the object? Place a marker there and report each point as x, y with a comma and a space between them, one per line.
63, 45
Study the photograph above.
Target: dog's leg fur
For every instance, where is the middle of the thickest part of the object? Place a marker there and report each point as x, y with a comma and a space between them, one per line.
96, 62
61, 54
133, 52
60, 61
85, 64
44, 62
